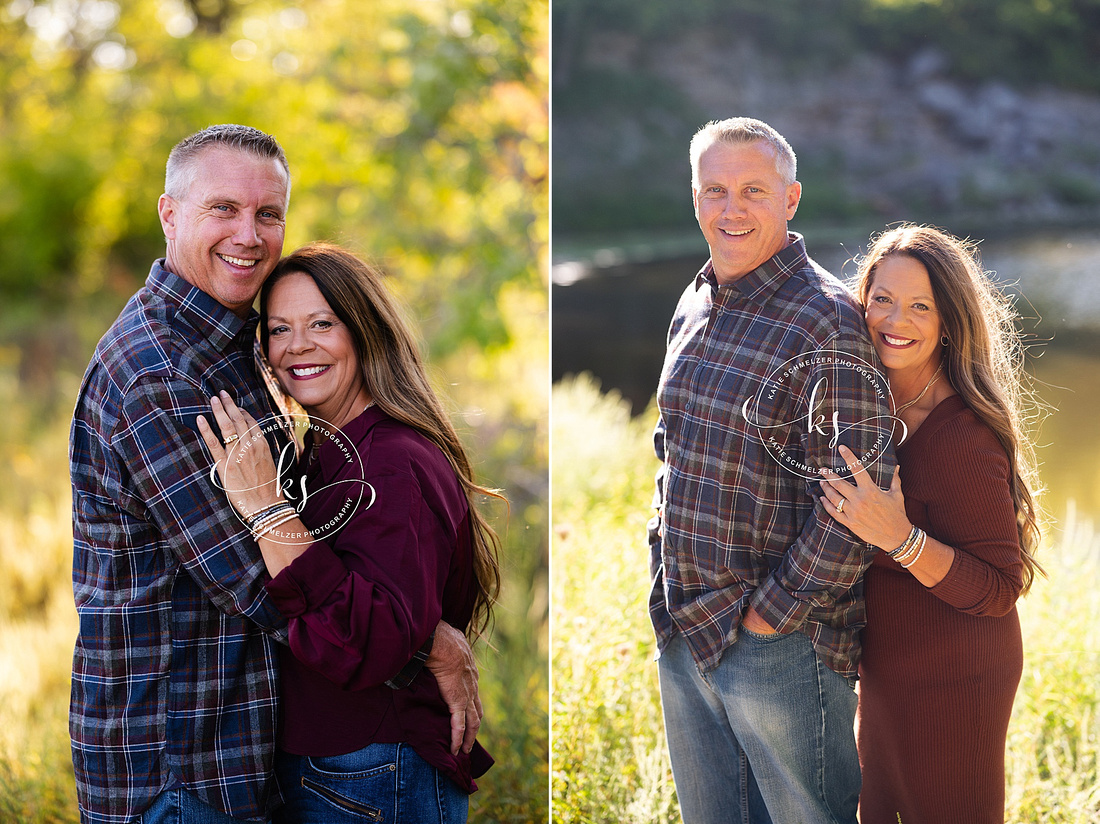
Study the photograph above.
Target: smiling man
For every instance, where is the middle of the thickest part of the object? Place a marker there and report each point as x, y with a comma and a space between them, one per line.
224, 220
175, 688
174, 674
757, 600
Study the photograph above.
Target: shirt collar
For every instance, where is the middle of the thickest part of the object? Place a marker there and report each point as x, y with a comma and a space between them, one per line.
354, 431
763, 281
214, 322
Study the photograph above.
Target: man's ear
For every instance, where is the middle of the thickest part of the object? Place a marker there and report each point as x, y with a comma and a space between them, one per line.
794, 195
168, 210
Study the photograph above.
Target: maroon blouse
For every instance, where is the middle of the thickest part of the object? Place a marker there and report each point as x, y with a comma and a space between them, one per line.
363, 601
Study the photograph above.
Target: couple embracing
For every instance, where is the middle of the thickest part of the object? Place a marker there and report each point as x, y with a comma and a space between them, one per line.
817, 526
256, 643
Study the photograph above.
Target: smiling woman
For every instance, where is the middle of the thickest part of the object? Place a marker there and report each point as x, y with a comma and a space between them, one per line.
414, 561
942, 649
905, 327
312, 352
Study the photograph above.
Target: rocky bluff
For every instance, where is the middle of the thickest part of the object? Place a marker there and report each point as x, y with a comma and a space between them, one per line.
878, 140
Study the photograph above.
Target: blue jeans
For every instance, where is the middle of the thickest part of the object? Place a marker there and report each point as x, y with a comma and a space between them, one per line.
387, 783
179, 806
764, 738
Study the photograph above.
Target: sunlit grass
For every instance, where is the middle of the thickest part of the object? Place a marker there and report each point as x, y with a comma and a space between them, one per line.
1054, 739
608, 751
609, 760
37, 618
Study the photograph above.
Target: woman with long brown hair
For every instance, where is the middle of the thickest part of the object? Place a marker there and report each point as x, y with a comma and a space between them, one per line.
373, 538
942, 652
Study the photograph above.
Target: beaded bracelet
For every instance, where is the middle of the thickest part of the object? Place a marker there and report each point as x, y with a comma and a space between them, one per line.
906, 545
275, 523
923, 541
270, 519
266, 515
907, 550
253, 519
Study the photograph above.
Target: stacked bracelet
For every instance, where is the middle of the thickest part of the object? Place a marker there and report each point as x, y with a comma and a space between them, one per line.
906, 545
268, 519
920, 549
256, 517
911, 548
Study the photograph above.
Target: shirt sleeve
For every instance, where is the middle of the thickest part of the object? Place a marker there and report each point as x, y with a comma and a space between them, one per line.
827, 561
361, 604
974, 514
158, 444
654, 525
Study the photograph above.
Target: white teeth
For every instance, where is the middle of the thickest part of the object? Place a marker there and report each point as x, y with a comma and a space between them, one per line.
237, 261
897, 341
742, 233
309, 370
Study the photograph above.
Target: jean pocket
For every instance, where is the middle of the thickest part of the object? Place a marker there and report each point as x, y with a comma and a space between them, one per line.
363, 791
352, 806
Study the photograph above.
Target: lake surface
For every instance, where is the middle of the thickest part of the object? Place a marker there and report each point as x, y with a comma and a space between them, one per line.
611, 321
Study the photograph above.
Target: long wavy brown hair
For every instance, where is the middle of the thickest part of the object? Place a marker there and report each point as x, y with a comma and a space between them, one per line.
983, 357
394, 375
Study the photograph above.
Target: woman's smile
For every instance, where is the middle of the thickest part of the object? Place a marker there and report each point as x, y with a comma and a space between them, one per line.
312, 353
902, 318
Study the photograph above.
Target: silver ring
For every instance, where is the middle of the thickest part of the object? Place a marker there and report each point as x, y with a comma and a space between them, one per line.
230, 439
840, 506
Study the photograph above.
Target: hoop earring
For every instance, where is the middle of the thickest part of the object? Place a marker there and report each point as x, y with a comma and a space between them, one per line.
944, 340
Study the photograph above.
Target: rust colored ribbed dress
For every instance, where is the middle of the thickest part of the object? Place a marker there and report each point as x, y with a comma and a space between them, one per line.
941, 665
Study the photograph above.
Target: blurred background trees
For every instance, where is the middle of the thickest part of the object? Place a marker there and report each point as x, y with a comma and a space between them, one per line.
415, 130
1044, 41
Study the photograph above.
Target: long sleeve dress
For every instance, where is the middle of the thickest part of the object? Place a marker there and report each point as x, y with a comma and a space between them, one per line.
941, 665
362, 602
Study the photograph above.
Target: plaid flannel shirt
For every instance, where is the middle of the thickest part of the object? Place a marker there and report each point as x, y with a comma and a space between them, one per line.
734, 527
174, 673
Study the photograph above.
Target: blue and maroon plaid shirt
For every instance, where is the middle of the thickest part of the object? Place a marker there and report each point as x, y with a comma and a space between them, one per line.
738, 520
174, 674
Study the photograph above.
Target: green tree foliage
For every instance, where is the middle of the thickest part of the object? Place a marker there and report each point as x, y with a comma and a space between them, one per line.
416, 133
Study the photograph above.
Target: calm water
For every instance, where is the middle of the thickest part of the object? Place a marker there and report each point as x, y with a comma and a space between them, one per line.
611, 321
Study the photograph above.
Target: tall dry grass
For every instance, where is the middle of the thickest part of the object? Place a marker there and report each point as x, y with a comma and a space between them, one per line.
608, 750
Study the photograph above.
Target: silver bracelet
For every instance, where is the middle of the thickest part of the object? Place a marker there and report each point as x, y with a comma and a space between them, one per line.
256, 517
923, 541
271, 520
906, 545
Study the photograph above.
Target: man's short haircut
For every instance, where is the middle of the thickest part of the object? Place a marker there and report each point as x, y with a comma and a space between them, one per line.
737, 131
181, 168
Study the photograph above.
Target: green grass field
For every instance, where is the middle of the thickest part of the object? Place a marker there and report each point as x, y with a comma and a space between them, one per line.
608, 751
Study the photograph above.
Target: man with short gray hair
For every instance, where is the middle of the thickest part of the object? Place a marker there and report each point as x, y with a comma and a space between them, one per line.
757, 596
